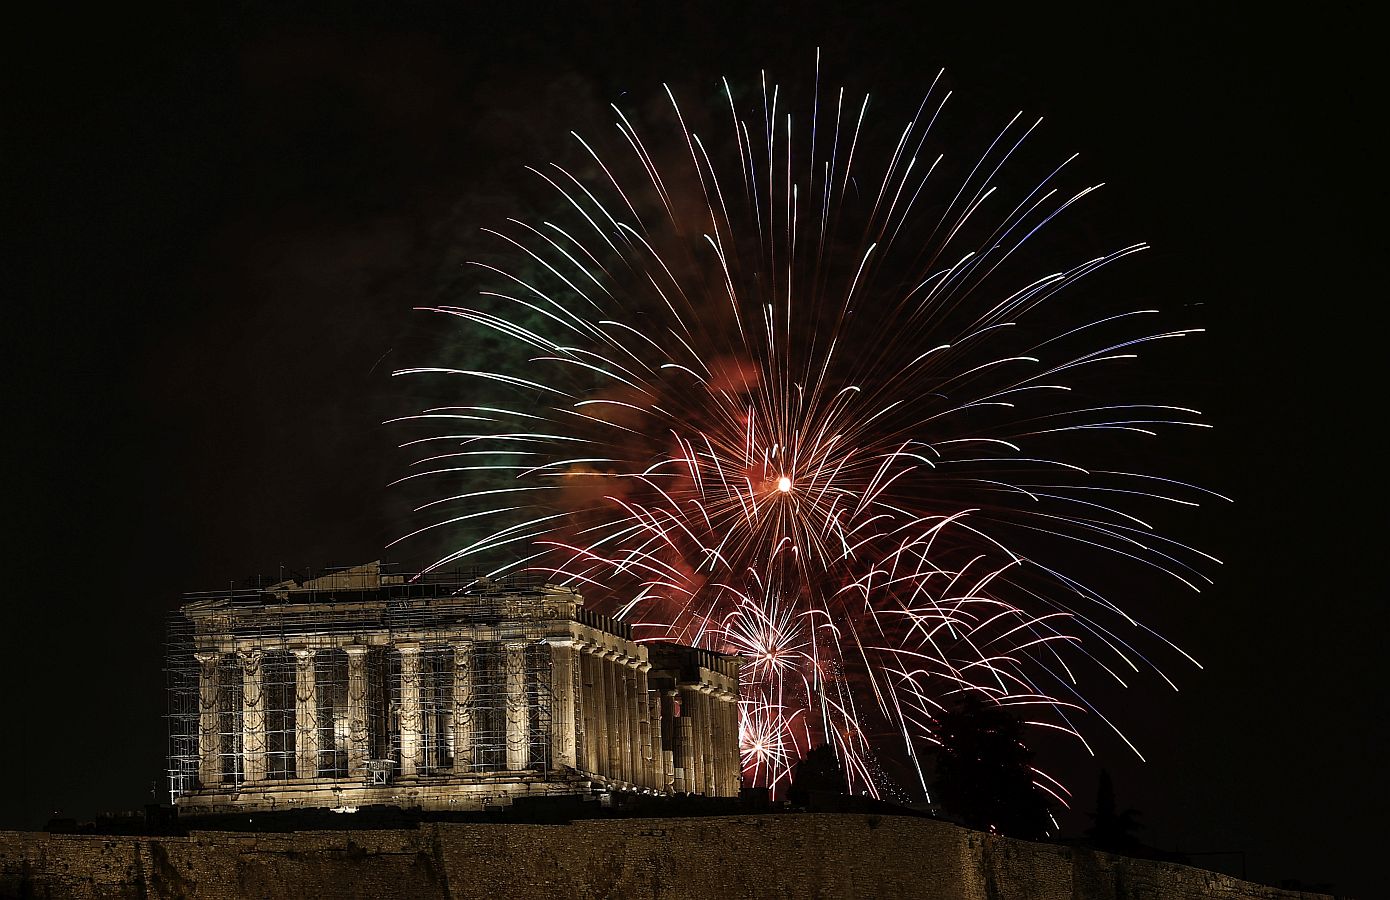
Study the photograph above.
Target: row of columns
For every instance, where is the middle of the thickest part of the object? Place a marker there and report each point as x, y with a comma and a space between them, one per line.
706, 753
615, 715
633, 735
517, 708
253, 736
604, 718
253, 712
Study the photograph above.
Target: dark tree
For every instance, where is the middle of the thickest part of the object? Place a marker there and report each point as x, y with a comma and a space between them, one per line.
984, 772
818, 775
1111, 830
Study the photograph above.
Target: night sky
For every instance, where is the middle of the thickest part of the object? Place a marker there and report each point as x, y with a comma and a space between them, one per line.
219, 223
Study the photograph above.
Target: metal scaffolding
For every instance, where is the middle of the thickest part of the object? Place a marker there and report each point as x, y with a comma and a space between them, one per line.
285, 645
487, 750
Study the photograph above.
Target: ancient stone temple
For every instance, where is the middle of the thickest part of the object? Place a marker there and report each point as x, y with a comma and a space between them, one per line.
435, 692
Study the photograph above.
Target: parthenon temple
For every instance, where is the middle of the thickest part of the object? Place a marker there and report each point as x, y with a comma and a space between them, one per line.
440, 692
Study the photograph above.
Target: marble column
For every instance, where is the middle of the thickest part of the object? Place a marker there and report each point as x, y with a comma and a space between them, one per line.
617, 724
734, 751
626, 688
252, 717
613, 713
704, 744
690, 698
690, 740
706, 718
562, 702
209, 730
632, 709
728, 771
643, 706
687, 774
410, 709
358, 736
306, 715
584, 712
718, 745
582, 707
669, 743
723, 742
658, 757
518, 716
463, 707
599, 740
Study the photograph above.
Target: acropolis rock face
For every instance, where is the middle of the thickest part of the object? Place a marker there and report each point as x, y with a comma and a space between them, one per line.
775, 855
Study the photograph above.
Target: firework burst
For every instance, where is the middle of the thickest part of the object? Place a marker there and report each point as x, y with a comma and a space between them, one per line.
794, 387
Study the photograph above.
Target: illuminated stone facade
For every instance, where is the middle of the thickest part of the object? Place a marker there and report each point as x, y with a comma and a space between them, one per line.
436, 692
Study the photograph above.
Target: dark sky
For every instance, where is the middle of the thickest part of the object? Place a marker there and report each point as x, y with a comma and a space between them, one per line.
219, 222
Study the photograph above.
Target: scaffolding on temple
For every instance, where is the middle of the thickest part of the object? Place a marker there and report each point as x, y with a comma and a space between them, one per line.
279, 643
444, 691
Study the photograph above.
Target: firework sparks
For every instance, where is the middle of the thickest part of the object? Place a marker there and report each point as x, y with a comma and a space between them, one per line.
782, 389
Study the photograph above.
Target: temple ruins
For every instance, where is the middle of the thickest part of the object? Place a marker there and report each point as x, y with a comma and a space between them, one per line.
437, 692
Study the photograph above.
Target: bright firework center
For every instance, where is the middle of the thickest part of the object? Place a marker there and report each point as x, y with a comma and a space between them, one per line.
439, 692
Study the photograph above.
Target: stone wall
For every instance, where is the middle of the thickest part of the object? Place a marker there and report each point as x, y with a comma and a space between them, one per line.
786, 855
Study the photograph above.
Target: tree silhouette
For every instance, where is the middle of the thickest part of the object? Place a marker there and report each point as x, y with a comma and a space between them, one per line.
1112, 830
818, 774
984, 772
